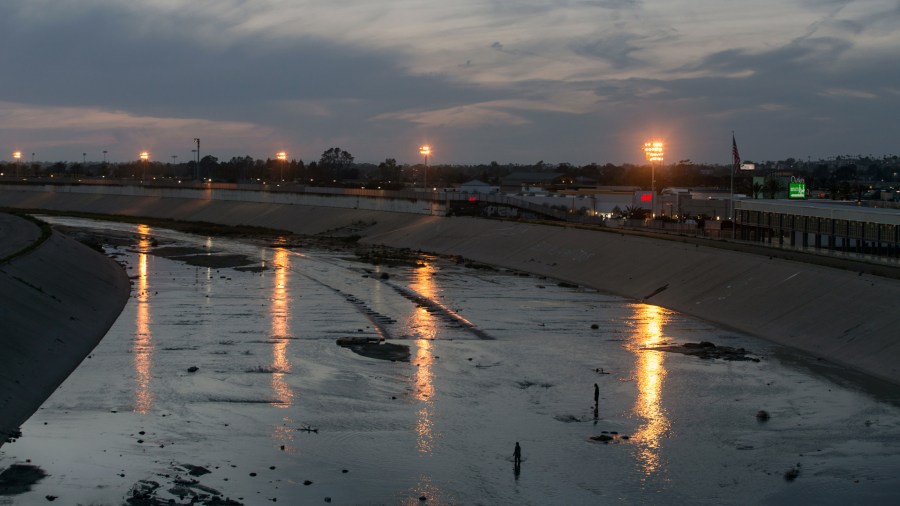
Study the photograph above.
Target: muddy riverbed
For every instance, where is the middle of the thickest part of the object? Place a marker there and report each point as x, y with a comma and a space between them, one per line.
222, 383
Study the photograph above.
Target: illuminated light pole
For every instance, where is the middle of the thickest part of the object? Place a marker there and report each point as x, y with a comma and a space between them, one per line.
653, 150
145, 158
17, 155
282, 155
425, 150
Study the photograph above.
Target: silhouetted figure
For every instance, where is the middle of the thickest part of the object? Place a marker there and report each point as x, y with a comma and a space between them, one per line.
517, 455
596, 414
596, 395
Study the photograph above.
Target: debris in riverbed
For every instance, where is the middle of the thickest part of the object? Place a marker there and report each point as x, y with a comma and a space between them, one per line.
308, 429
609, 437
707, 350
195, 470
18, 478
528, 384
193, 368
376, 348
792, 473
762, 415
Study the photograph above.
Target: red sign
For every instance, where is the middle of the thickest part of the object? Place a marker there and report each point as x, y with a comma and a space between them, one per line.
646, 197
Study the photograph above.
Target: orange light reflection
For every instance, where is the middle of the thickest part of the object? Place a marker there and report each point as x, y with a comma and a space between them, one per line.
142, 344
280, 312
426, 327
650, 374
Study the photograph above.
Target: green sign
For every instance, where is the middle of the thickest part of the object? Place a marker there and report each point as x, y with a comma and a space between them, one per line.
797, 189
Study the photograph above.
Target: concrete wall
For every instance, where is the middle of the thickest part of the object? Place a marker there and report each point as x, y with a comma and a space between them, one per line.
838, 315
56, 302
399, 205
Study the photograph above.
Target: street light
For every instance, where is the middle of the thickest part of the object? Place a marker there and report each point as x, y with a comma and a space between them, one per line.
425, 150
145, 158
281, 155
653, 150
17, 155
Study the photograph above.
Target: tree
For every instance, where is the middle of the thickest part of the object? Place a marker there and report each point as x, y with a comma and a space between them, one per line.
208, 166
388, 170
335, 162
757, 189
636, 213
772, 187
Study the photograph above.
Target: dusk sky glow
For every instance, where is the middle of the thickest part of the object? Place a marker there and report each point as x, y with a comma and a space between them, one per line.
512, 81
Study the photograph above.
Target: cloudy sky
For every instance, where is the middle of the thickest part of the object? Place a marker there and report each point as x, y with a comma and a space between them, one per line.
514, 81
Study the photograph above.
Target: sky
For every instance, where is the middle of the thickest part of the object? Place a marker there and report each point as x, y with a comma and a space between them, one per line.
512, 81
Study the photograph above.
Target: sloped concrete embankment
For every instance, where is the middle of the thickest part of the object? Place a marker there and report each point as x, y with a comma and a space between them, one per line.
57, 301
838, 315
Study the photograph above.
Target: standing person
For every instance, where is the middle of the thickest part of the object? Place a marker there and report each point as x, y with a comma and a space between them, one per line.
517, 454
596, 395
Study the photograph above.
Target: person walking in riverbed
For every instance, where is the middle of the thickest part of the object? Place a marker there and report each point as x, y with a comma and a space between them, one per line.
517, 454
596, 395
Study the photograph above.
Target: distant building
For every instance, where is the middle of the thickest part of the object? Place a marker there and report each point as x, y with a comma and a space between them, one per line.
476, 186
527, 181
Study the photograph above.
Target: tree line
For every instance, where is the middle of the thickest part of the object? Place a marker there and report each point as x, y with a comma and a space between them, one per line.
337, 166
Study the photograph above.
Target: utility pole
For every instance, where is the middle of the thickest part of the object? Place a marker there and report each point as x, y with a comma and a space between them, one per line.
197, 140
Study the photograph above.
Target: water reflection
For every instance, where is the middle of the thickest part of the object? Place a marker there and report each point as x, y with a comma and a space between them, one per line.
142, 344
426, 328
650, 374
284, 435
280, 313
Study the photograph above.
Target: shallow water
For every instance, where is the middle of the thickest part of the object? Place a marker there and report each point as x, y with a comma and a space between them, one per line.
496, 358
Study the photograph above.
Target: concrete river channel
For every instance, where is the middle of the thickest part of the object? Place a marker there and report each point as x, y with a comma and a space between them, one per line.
223, 385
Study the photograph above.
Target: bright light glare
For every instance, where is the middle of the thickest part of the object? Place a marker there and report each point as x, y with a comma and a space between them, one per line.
17, 155
653, 151
145, 156
425, 150
281, 155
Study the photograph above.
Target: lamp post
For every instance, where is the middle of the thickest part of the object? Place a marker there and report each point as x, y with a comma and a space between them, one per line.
145, 158
282, 155
653, 150
17, 155
425, 150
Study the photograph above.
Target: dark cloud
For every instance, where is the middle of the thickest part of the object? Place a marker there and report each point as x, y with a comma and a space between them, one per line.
616, 50
832, 87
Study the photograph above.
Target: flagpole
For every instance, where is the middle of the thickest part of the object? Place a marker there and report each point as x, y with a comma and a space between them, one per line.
731, 200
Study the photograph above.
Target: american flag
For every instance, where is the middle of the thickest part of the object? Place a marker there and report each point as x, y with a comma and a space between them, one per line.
735, 156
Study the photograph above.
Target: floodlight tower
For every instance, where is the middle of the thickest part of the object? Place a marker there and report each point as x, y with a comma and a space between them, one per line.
145, 159
17, 155
425, 150
653, 150
282, 155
